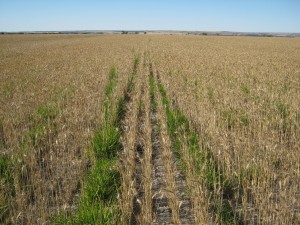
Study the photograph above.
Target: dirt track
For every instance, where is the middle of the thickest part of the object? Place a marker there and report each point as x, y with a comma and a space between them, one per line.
156, 187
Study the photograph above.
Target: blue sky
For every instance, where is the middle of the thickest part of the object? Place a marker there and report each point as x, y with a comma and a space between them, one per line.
209, 15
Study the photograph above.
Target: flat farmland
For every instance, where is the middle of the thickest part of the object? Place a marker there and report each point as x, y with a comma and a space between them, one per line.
149, 129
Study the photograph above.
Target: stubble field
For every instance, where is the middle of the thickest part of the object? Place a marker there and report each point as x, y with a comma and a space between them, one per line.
149, 129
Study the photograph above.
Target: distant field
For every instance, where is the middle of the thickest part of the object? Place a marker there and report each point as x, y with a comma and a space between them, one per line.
141, 129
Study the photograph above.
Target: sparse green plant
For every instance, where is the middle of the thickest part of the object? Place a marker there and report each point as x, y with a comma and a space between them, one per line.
244, 118
298, 117
283, 110
245, 89
229, 118
46, 113
6, 187
112, 81
210, 93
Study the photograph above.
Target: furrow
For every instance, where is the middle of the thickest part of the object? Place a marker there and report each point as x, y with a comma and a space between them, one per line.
180, 202
127, 158
147, 201
154, 189
139, 159
161, 208
162, 213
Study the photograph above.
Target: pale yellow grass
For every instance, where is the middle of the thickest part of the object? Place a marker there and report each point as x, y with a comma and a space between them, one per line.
241, 94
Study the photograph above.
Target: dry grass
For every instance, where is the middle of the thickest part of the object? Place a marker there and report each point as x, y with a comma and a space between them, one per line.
52, 90
238, 96
242, 97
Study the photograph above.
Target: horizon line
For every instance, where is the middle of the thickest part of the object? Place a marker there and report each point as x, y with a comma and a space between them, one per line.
150, 30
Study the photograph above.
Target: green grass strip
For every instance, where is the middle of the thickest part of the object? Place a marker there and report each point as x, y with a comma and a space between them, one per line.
98, 202
152, 92
179, 130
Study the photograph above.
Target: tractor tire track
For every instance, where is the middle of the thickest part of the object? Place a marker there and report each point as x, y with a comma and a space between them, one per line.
179, 204
138, 174
161, 208
154, 190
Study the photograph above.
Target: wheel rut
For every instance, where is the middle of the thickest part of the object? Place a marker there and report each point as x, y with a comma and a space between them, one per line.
171, 204
154, 189
161, 208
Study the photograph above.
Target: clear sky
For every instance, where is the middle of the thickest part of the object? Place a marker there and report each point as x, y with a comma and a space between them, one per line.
203, 15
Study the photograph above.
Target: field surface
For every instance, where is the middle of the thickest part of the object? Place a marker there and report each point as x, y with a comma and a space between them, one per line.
149, 129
